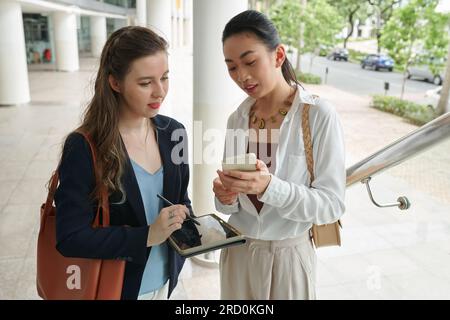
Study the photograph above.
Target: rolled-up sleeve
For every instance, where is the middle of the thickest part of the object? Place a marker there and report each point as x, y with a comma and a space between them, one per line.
324, 202
226, 209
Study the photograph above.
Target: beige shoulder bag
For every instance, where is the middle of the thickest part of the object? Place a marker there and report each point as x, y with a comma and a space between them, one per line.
327, 234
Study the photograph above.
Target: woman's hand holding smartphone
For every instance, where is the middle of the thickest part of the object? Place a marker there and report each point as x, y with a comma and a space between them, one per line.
252, 178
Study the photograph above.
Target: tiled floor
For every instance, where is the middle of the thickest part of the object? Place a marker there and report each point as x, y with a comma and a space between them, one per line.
387, 254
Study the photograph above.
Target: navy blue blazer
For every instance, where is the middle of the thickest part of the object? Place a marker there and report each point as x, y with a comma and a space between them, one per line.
126, 238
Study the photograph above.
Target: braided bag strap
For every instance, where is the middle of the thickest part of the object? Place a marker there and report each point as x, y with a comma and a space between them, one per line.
307, 141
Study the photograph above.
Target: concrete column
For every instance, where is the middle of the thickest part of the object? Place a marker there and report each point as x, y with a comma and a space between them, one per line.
159, 17
187, 23
98, 35
180, 25
66, 42
51, 38
174, 19
14, 88
141, 12
129, 21
215, 94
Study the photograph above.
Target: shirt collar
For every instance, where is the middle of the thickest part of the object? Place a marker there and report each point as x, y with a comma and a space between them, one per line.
301, 97
306, 97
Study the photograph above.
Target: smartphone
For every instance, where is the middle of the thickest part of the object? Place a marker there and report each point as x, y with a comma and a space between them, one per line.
243, 162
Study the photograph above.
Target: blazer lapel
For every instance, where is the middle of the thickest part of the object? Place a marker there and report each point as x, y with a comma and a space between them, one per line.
164, 143
133, 193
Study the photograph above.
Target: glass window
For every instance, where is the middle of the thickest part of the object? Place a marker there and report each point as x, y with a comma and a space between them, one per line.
35, 27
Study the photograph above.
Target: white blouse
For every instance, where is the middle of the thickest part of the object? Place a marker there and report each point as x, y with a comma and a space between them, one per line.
290, 205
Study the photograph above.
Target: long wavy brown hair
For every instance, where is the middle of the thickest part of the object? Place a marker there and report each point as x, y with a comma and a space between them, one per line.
101, 117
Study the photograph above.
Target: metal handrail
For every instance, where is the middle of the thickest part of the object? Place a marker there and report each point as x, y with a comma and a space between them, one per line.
399, 151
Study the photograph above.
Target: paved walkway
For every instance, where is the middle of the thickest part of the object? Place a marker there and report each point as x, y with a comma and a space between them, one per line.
367, 130
387, 254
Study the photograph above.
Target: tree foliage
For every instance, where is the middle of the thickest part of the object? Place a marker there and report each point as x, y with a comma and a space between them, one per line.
351, 11
416, 33
322, 23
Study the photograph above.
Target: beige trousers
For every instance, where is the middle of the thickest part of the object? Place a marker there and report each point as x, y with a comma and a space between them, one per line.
263, 270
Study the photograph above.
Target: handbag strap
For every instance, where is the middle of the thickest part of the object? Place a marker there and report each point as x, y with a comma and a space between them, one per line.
103, 206
307, 141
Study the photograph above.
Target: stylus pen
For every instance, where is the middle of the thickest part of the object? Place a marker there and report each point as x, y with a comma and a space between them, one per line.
171, 204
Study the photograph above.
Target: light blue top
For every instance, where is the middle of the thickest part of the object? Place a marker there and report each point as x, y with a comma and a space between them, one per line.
156, 271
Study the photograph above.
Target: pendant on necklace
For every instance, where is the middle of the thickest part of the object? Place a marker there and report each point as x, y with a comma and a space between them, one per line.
283, 112
262, 124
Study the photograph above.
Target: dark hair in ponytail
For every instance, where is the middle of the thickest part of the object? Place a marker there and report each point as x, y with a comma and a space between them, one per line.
260, 25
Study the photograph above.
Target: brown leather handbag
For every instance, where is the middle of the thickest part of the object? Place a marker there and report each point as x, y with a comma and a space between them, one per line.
327, 234
63, 278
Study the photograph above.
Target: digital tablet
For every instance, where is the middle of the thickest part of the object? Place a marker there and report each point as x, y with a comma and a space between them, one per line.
213, 233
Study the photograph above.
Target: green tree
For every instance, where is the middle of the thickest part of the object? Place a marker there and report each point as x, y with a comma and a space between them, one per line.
415, 27
383, 11
261, 5
321, 23
287, 18
436, 39
351, 11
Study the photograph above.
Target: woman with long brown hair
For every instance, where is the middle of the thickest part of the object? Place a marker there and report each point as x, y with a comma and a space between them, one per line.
134, 159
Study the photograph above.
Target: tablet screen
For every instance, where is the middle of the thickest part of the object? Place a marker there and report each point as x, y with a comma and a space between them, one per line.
212, 231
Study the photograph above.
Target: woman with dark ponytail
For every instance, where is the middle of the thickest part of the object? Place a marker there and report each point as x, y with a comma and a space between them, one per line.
275, 206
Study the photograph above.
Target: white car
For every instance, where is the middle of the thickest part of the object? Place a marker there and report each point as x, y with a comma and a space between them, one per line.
424, 72
432, 97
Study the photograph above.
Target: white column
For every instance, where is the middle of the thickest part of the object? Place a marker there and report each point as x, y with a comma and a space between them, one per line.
174, 19
141, 12
187, 23
159, 17
14, 88
98, 35
180, 24
66, 42
215, 94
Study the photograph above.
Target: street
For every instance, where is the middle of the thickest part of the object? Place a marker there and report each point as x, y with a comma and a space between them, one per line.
350, 77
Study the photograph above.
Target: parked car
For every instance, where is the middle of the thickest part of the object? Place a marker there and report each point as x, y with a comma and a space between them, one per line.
338, 54
432, 97
378, 61
423, 71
